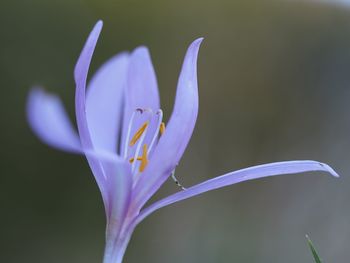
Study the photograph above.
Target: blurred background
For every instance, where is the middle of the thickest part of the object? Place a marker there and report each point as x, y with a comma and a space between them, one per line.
274, 85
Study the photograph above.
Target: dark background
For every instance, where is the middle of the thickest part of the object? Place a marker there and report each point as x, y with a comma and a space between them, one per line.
274, 85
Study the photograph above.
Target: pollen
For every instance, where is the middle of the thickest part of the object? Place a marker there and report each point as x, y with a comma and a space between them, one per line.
138, 134
162, 128
144, 159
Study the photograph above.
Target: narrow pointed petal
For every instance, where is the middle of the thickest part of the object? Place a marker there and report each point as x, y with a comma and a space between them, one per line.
50, 122
80, 75
255, 172
142, 89
179, 130
104, 101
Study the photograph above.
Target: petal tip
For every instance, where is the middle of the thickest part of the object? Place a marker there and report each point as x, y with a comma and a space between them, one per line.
193, 49
141, 51
96, 30
36, 95
37, 90
83, 63
99, 24
330, 170
199, 40
196, 43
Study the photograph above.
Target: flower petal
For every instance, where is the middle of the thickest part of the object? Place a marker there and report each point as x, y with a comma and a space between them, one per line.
80, 76
142, 89
104, 101
119, 186
49, 120
254, 172
179, 130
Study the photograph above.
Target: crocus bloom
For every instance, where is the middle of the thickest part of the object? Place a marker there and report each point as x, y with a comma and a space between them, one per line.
129, 149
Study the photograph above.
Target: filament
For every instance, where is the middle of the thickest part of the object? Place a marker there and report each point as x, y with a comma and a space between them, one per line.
160, 118
129, 131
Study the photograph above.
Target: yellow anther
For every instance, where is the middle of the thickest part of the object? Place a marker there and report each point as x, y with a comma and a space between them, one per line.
131, 160
162, 128
138, 134
144, 159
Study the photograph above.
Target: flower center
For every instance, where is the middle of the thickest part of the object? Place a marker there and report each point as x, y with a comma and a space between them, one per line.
146, 126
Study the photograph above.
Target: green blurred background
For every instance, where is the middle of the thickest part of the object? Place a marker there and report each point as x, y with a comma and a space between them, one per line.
274, 85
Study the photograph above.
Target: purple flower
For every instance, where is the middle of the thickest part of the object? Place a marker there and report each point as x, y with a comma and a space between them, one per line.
121, 133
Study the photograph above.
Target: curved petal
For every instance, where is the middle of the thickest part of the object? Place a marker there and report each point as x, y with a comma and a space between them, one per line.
254, 172
80, 76
142, 89
173, 142
104, 101
49, 120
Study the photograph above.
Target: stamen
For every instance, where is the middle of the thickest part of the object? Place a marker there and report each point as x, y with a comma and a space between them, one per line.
129, 130
176, 181
138, 148
138, 134
160, 118
144, 159
162, 128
